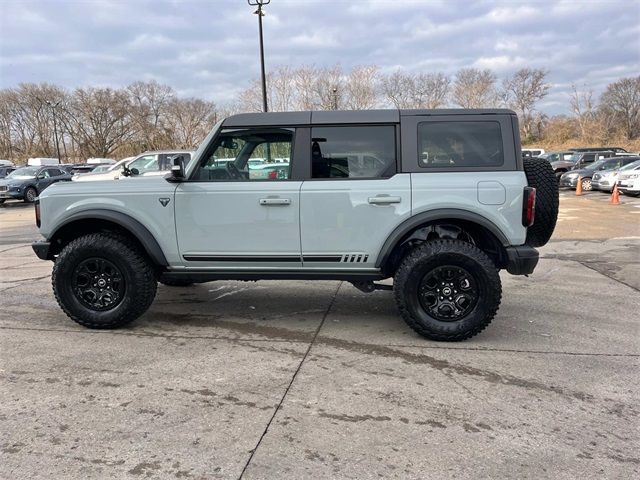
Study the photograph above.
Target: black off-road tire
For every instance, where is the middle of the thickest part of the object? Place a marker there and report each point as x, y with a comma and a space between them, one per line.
136, 270
429, 257
176, 282
541, 177
30, 195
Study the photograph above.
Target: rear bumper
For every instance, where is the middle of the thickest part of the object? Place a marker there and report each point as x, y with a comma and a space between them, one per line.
522, 260
42, 249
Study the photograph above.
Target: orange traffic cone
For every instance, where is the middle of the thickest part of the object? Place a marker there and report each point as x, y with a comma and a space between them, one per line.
615, 196
579, 186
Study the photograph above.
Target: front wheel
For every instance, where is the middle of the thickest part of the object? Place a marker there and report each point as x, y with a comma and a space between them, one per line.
447, 290
586, 184
30, 195
103, 281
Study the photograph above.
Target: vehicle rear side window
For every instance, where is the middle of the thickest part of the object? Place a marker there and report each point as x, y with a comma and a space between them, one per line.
353, 152
460, 144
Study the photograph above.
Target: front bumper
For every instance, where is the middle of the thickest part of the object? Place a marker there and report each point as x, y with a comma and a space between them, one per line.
568, 182
602, 184
522, 260
42, 249
16, 194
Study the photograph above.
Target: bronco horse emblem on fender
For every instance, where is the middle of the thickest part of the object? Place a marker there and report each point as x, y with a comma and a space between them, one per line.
164, 201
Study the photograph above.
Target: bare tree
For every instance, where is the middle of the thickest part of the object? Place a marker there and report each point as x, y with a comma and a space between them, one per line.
329, 88
398, 89
474, 88
432, 90
362, 88
583, 109
304, 79
100, 120
189, 121
149, 106
522, 91
425, 90
623, 97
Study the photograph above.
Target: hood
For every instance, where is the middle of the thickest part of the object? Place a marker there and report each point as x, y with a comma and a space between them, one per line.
561, 164
16, 180
110, 187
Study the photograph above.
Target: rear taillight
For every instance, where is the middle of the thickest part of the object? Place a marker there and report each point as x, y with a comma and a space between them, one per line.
37, 205
529, 206
273, 175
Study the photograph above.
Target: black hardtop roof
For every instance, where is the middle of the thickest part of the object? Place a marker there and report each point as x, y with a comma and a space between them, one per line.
323, 117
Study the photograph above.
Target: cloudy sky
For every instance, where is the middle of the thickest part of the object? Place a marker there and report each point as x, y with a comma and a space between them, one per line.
209, 49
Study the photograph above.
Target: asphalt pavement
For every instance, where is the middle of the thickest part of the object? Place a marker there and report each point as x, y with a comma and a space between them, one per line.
318, 380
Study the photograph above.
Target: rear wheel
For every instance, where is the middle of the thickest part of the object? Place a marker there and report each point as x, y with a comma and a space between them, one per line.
103, 281
447, 290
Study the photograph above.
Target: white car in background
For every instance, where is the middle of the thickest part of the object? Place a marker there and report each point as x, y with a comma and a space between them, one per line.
147, 164
629, 179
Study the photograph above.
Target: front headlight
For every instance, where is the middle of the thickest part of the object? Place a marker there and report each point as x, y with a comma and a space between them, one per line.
571, 175
634, 175
14, 186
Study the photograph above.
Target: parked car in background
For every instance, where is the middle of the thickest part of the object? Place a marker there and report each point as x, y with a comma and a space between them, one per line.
40, 161
604, 180
578, 160
532, 152
585, 175
5, 170
26, 183
100, 161
557, 155
146, 164
629, 179
599, 149
6, 163
107, 173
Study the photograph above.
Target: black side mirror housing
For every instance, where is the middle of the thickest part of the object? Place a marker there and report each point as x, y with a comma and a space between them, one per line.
177, 169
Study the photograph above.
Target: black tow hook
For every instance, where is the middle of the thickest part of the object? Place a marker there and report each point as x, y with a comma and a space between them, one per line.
369, 287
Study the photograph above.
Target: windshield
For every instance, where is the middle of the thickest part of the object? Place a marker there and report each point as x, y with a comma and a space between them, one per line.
631, 166
574, 158
24, 172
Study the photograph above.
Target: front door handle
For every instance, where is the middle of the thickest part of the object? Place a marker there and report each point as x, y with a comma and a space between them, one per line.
383, 200
275, 201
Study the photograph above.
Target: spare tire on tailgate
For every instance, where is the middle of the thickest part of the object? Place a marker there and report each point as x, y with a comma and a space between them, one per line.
541, 177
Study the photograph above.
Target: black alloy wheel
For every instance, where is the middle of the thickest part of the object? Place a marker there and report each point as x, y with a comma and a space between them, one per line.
448, 293
98, 284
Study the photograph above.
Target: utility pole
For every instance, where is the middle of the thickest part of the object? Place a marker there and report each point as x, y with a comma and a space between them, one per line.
53, 107
260, 4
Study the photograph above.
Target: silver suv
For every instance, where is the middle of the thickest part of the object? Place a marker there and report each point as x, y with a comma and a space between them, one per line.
438, 200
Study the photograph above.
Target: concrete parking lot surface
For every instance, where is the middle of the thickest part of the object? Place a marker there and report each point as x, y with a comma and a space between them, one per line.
318, 380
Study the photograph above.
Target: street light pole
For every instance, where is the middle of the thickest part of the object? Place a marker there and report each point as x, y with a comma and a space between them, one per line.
53, 107
260, 4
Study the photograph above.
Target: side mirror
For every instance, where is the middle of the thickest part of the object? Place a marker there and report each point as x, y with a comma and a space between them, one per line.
177, 169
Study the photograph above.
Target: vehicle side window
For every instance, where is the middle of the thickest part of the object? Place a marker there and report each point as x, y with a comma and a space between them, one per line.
460, 144
54, 172
44, 173
146, 163
248, 154
353, 152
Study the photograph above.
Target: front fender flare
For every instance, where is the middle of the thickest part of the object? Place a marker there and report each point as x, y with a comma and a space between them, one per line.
137, 229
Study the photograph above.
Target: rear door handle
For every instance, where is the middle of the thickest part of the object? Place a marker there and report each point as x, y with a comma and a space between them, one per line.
275, 201
383, 200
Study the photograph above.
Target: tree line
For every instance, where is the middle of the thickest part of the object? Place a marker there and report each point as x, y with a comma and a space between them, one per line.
40, 119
